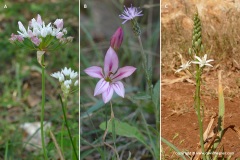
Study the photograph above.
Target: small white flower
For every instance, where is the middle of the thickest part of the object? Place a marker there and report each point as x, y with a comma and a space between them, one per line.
184, 66
66, 71
68, 82
76, 83
64, 30
44, 32
56, 74
202, 62
67, 78
23, 31
73, 75
61, 77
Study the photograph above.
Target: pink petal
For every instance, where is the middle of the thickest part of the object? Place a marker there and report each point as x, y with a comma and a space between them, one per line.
101, 86
94, 71
39, 19
59, 35
110, 62
123, 72
119, 88
107, 95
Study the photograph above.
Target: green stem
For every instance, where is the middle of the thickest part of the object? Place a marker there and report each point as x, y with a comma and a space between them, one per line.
6, 152
113, 129
66, 122
146, 67
42, 110
197, 107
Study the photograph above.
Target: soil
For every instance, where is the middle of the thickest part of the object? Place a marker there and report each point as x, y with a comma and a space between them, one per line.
179, 124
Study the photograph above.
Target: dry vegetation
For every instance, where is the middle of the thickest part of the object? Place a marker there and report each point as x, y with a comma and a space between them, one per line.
220, 24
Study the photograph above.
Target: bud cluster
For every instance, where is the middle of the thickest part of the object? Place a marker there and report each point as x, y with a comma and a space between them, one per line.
67, 79
196, 36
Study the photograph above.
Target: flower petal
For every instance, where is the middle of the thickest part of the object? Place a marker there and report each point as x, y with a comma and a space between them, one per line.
119, 88
107, 95
110, 62
101, 86
94, 71
198, 58
123, 72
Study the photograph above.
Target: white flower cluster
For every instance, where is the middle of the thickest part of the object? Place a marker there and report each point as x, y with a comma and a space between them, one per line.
67, 78
200, 61
37, 31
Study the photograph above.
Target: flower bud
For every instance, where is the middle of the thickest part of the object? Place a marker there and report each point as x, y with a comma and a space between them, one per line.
117, 39
58, 23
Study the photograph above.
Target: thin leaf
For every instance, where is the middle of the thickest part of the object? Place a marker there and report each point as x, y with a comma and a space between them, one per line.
173, 147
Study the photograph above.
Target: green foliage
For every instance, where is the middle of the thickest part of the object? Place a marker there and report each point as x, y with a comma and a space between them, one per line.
124, 129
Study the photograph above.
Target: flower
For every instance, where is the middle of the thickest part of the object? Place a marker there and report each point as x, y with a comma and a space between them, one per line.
67, 78
16, 37
130, 13
42, 36
59, 23
202, 62
117, 39
109, 76
184, 66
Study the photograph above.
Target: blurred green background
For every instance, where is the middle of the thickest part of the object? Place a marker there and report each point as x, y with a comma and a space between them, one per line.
20, 77
98, 23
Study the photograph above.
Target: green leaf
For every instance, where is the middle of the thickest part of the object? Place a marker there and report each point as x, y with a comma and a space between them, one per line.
124, 129
142, 96
156, 94
173, 147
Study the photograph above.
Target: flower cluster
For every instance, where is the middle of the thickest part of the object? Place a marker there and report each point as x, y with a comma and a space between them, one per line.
42, 36
67, 78
202, 62
130, 13
110, 76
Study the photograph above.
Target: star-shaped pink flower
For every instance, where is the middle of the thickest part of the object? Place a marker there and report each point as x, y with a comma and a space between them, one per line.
110, 76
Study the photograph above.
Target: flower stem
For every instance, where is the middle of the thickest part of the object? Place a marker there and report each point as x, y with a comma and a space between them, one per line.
113, 130
66, 122
42, 110
197, 107
146, 67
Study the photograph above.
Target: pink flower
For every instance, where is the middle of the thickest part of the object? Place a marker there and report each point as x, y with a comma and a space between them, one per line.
117, 39
59, 35
58, 23
39, 19
16, 37
130, 13
110, 76
35, 40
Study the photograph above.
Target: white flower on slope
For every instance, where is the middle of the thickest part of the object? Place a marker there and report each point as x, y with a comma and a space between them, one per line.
184, 66
202, 62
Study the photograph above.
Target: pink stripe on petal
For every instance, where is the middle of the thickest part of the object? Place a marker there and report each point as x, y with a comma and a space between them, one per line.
101, 86
107, 95
119, 88
110, 62
94, 71
123, 72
